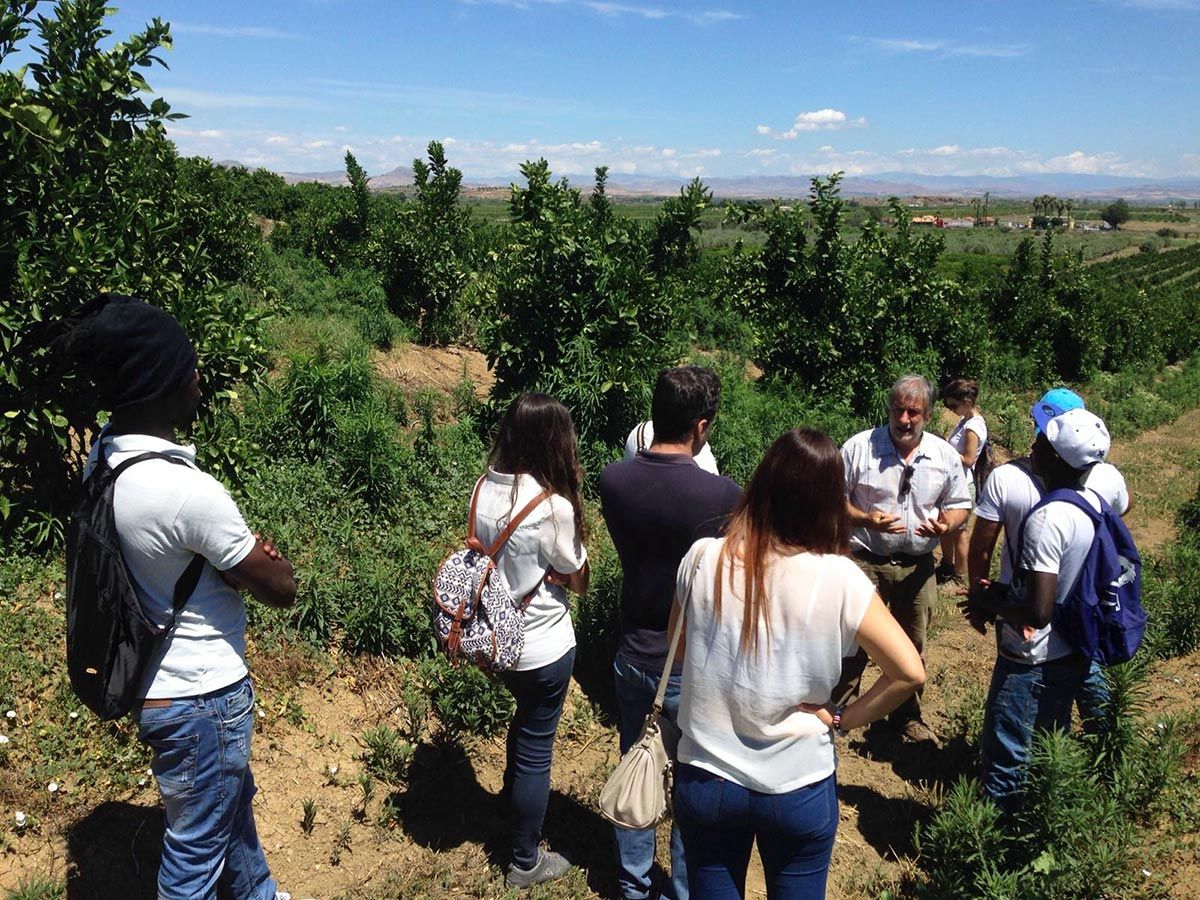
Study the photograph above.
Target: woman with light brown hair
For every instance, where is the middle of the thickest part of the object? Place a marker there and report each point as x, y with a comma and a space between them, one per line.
770, 611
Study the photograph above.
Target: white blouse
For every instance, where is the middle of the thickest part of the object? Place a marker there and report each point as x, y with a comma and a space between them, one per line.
544, 540
738, 710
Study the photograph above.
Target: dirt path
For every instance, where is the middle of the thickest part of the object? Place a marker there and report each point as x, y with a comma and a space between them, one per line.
442, 834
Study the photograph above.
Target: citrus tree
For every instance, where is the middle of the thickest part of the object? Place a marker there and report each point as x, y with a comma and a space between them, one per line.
97, 200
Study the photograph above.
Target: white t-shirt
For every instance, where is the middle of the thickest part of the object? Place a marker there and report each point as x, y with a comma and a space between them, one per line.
544, 540
958, 438
737, 711
1011, 492
165, 513
704, 459
1057, 539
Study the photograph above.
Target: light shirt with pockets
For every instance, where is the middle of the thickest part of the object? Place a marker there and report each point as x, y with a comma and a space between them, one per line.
1057, 540
874, 470
737, 710
544, 540
165, 514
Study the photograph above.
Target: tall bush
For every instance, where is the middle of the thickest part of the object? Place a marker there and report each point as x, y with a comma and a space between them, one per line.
97, 200
845, 319
574, 307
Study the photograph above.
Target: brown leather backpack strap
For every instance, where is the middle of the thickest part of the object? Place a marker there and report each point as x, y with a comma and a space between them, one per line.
516, 521
472, 541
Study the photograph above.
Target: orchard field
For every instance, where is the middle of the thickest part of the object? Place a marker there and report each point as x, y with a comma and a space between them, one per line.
355, 349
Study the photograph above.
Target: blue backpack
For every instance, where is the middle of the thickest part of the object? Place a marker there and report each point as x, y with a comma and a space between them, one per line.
1102, 615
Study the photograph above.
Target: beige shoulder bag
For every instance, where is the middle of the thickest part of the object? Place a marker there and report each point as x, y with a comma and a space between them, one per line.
638, 792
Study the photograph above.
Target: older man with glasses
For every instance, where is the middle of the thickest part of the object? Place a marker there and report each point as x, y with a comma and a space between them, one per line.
904, 489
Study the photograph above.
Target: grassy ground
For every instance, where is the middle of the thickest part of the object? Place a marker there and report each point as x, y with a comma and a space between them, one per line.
343, 812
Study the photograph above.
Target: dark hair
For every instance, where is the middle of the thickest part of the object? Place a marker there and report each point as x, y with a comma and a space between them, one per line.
961, 390
682, 397
795, 501
536, 437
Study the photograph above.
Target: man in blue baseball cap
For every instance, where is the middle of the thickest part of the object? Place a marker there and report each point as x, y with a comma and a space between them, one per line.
1012, 490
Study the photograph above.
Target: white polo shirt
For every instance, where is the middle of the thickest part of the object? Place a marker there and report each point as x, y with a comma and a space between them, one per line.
874, 471
165, 514
642, 437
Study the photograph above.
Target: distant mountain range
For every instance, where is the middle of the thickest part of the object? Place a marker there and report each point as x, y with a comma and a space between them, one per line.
899, 184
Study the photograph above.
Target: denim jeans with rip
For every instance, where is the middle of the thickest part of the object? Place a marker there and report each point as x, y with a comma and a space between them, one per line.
720, 820
1023, 700
202, 765
635, 689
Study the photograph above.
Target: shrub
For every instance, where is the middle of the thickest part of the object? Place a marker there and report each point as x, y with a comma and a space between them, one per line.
846, 319
465, 699
387, 754
574, 308
98, 201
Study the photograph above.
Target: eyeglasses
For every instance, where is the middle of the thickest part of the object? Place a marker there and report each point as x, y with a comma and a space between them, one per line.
906, 483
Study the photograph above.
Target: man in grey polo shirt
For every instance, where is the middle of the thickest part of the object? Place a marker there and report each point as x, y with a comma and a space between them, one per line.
904, 489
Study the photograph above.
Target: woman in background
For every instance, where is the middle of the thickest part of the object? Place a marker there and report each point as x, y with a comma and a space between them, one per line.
771, 610
967, 437
536, 456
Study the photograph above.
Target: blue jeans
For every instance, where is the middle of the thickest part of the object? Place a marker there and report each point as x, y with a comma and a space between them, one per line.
635, 849
202, 764
720, 820
1022, 700
540, 694
1093, 700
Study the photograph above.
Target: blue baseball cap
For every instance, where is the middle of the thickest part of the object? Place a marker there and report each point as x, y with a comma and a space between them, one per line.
1052, 404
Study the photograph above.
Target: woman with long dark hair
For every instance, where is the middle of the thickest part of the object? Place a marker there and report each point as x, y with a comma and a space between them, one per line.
536, 454
968, 437
771, 609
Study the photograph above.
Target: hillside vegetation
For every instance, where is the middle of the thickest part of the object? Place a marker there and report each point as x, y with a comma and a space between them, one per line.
363, 481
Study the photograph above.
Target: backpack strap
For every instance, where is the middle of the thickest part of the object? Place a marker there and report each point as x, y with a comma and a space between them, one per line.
641, 437
516, 521
472, 541
475, 544
186, 585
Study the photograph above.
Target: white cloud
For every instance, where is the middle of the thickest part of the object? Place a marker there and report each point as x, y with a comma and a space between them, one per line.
183, 98
499, 161
817, 120
234, 31
614, 9
944, 48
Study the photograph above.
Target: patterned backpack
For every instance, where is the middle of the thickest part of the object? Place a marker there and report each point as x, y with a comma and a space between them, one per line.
475, 616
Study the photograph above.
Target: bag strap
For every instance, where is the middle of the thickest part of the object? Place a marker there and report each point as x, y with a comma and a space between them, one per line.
678, 630
641, 436
474, 543
186, 585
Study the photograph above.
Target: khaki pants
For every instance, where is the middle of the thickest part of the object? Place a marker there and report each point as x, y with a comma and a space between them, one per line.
909, 589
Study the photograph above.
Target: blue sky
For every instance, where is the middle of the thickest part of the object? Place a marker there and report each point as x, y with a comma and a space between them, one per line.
720, 88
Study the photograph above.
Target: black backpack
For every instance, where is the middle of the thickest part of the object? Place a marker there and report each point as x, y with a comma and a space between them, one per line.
110, 641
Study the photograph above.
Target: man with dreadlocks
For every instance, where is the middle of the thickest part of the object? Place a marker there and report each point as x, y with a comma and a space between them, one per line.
197, 706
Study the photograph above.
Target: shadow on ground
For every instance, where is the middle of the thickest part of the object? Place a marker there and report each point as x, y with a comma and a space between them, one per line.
113, 853
444, 806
